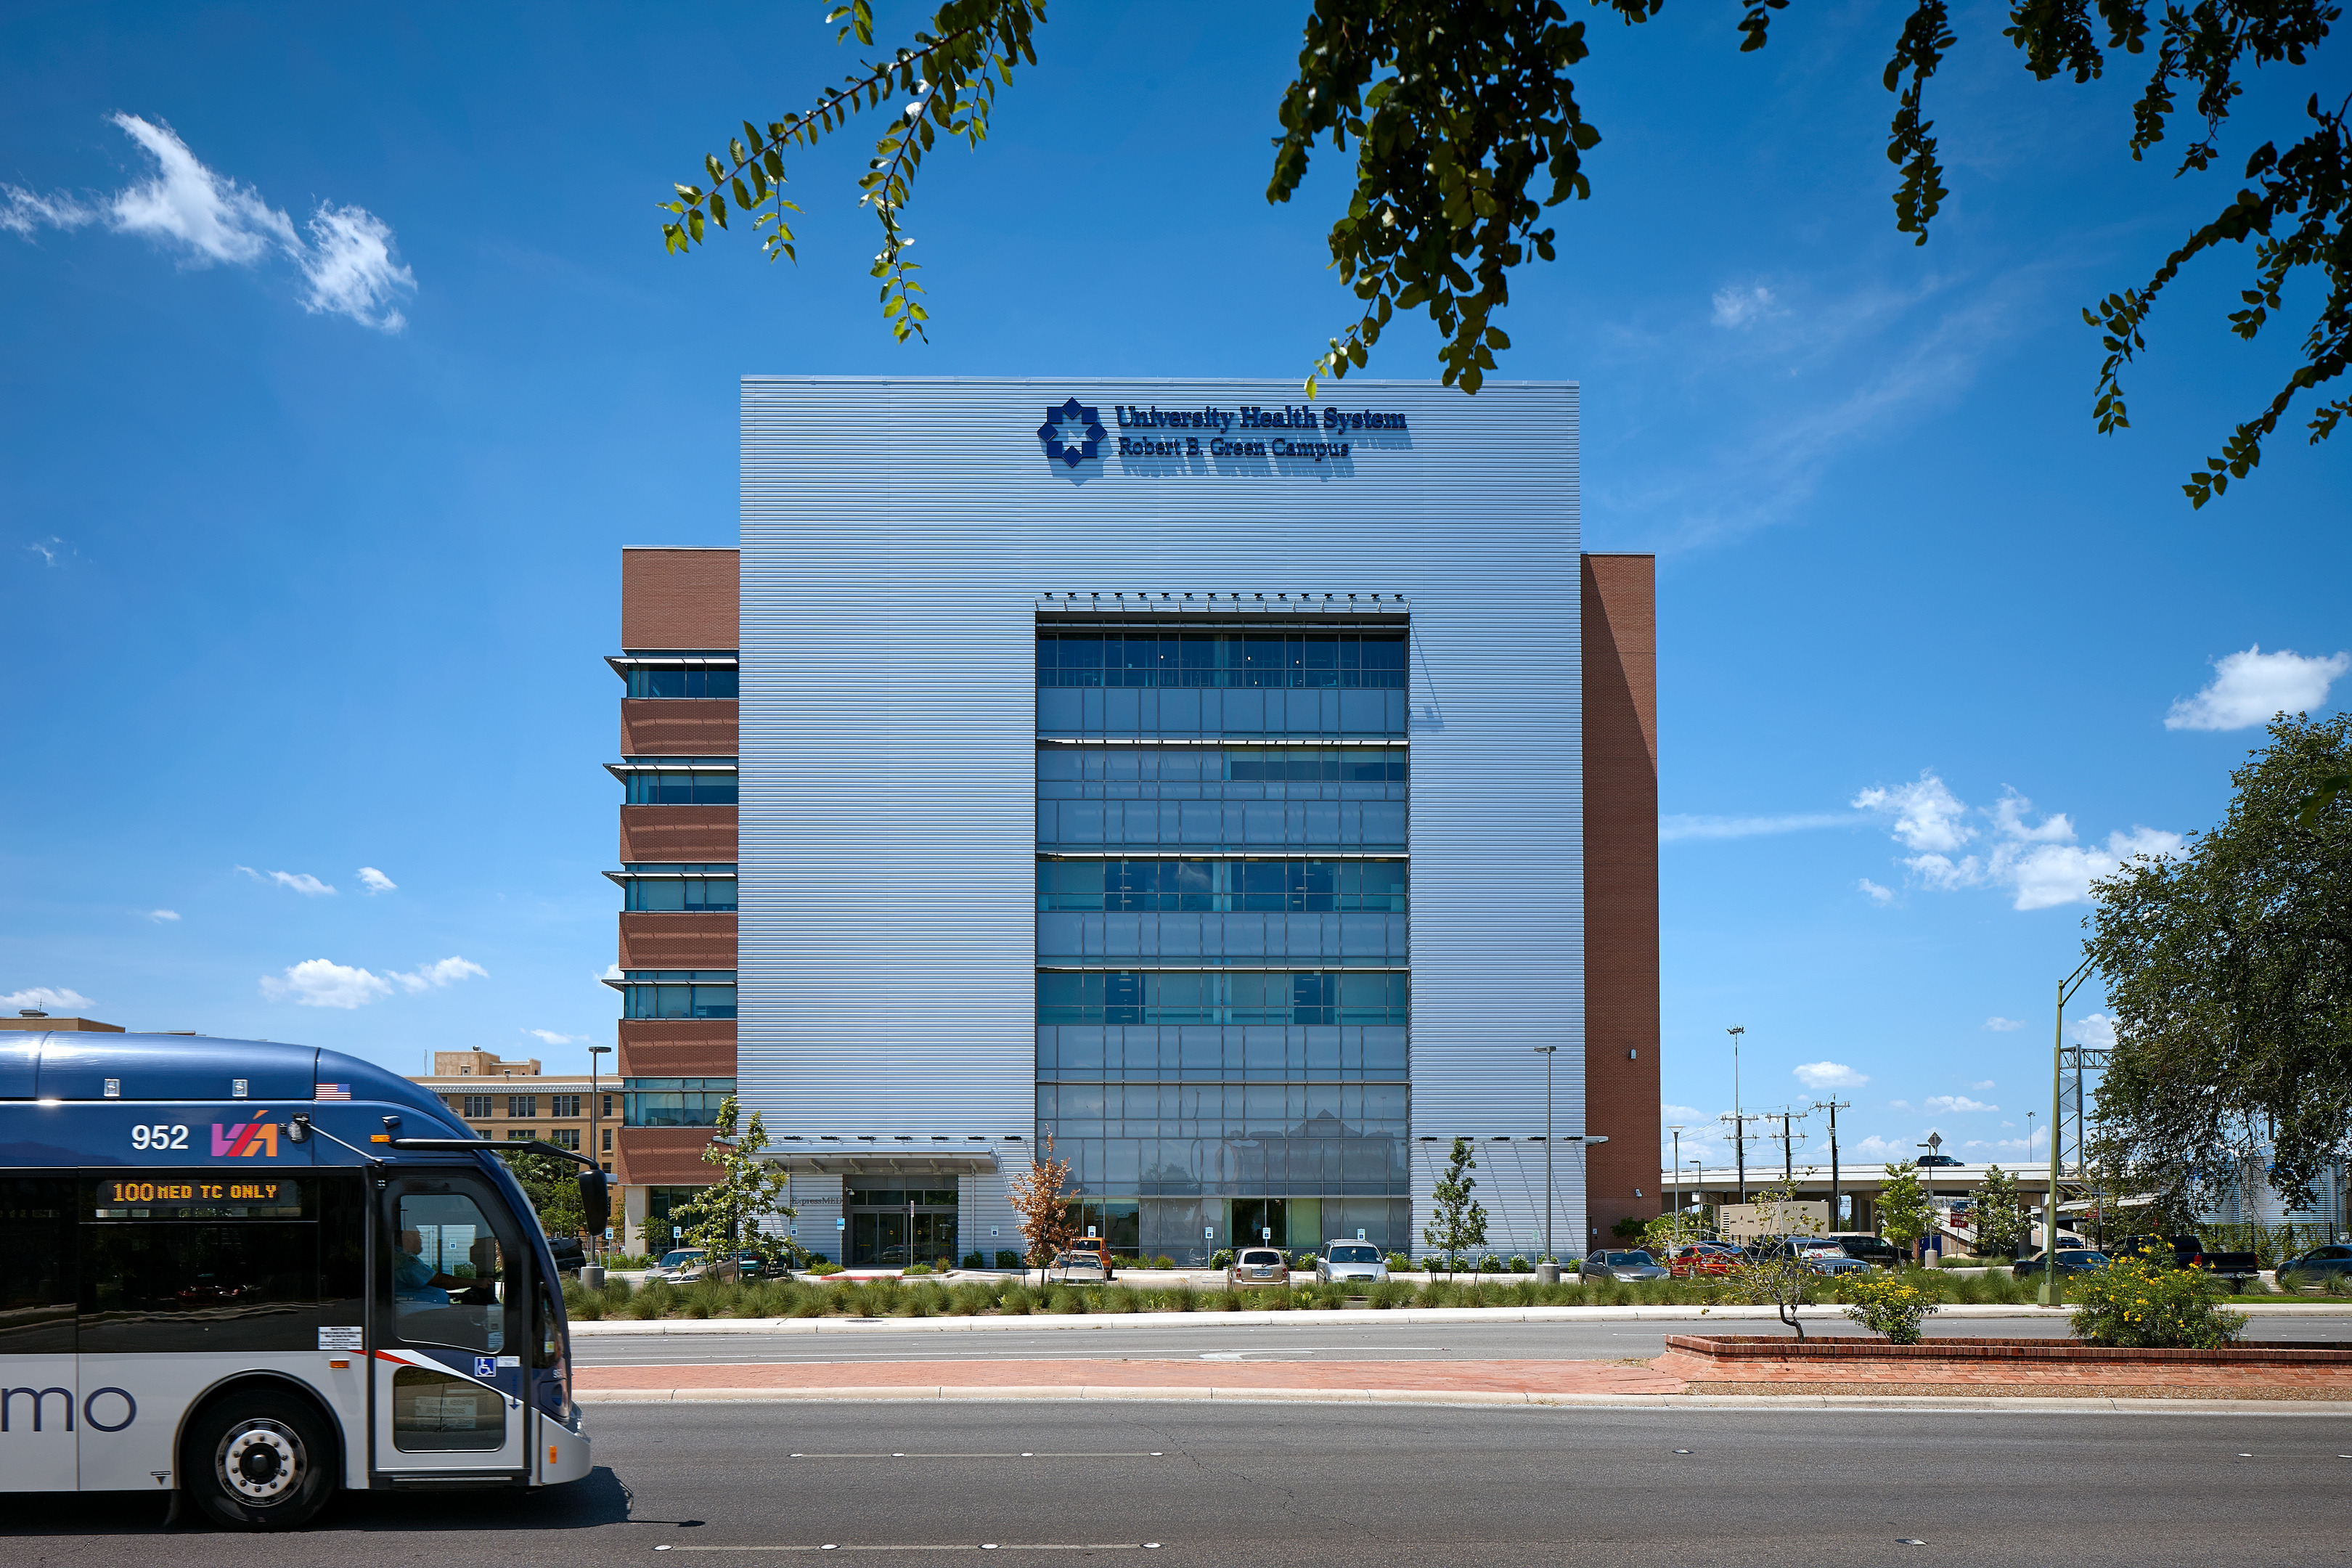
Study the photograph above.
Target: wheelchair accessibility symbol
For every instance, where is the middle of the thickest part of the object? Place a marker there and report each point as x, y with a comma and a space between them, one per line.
485, 1366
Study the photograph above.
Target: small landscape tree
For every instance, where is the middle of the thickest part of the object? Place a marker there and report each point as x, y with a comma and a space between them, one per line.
1903, 1214
1040, 1197
1775, 1273
554, 1193
1458, 1222
2000, 1214
724, 1217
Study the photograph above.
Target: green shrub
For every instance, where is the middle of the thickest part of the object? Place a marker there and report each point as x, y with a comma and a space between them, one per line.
1223, 1258
1521, 1265
1399, 1264
1163, 1261
2138, 1303
1490, 1264
823, 1268
1887, 1306
916, 1269
974, 1260
1007, 1258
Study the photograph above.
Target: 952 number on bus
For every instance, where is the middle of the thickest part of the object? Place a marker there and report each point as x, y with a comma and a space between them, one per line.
159, 1135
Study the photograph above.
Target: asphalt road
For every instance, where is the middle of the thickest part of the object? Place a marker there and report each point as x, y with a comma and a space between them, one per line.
1306, 1339
912, 1485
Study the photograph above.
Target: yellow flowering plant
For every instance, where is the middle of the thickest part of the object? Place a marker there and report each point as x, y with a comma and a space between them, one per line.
2139, 1303
1886, 1306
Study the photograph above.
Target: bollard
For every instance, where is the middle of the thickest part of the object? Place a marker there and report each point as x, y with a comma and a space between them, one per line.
1546, 1273
592, 1276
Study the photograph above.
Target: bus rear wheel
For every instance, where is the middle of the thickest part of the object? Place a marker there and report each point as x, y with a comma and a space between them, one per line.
258, 1462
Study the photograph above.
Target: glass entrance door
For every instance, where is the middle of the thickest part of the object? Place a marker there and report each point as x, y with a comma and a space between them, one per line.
1253, 1218
878, 1237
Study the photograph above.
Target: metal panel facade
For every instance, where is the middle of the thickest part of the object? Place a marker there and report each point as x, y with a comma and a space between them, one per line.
896, 536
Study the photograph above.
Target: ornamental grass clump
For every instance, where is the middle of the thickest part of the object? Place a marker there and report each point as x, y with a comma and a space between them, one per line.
2138, 1303
1887, 1306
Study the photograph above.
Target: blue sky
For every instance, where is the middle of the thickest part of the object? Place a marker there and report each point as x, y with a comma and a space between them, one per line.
342, 356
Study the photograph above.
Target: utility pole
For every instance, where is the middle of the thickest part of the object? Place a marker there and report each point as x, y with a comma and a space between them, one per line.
1833, 1105
1787, 1152
1738, 1121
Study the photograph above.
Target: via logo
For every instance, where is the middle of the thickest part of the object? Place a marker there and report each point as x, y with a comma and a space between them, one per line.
245, 1139
1072, 433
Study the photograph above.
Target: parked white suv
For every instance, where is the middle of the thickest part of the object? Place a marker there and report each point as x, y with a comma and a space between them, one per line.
1351, 1260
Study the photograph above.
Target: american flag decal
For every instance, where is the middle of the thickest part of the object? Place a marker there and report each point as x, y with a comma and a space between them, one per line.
331, 1091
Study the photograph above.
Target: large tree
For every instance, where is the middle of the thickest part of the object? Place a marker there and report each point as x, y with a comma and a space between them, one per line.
2229, 972
1466, 129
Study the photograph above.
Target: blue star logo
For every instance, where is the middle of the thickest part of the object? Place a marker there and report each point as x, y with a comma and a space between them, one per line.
1071, 433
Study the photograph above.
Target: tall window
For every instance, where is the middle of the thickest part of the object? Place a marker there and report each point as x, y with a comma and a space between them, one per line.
563, 1105
522, 1105
564, 1136
478, 1108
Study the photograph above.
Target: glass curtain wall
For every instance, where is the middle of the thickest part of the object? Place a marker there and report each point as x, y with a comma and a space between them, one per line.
1224, 985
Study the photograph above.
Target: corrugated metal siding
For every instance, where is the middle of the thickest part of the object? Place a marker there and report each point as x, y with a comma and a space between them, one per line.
895, 537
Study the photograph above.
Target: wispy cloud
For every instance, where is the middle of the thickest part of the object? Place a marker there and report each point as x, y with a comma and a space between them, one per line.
322, 982
163, 916
1828, 1074
49, 549
433, 976
2250, 687
1875, 893
2001, 1025
1744, 306
552, 1038
375, 881
1679, 828
47, 999
2038, 862
2094, 1029
302, 882
206, 218
1953, 1104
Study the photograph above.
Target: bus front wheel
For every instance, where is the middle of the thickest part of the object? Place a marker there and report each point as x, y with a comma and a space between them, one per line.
256, 1461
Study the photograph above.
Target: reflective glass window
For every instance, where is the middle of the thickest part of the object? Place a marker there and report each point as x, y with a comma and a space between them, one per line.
1218, 658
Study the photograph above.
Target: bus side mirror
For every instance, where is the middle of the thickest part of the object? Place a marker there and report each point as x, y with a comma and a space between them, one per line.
595, 1200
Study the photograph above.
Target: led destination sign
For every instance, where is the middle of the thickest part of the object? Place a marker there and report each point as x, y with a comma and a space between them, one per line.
187, 1198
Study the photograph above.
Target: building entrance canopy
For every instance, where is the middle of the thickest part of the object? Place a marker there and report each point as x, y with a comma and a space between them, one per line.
876, 1162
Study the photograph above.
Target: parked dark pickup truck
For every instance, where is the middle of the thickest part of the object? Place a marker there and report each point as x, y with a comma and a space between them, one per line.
2238, 1269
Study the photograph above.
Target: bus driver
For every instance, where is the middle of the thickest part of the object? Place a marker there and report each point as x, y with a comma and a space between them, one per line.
414, 1279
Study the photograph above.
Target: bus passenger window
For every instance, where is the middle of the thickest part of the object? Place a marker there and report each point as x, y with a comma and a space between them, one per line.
448, 1274
37, 1290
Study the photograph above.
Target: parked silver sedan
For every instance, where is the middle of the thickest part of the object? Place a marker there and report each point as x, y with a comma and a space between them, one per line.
1350, 1260
1628, 1267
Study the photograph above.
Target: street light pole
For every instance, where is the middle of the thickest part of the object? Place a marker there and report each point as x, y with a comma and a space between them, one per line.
1548, 1052
1677, 1131
1935, 1142
2053, 1293
595, 1126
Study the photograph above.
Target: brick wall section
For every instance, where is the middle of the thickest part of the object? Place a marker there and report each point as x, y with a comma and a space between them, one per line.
655, 727
662, 1157
678, 1048
668, 834
1620, 886
678, 942
678, 599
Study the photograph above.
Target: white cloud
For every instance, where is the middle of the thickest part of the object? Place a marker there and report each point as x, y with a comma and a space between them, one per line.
351, 269
552, 1038
1954, 1104
1737, 307
2001, 1025
1681, 828
2038, 862
375, 881
215, 219
47, 999
1981, 1088
2094, 1029
302, 882
208, 217
49, 549
22, 211
1875, 893
1928, 815
432, 976
1828, 1074
162, 915
1876, 1147
2249, 688
321, 982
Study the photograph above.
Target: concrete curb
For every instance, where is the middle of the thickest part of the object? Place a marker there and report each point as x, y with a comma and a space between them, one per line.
627, 1328
1063, 1393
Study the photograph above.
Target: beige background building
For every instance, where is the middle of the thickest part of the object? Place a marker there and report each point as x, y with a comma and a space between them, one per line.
513, 1101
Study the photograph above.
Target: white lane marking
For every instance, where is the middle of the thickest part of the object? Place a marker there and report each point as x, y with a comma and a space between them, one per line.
937, 1546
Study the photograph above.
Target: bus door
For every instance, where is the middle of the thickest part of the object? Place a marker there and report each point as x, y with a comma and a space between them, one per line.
40, 1395
452, 1331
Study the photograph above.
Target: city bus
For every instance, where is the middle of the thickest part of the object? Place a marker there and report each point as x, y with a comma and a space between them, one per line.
247, 1274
